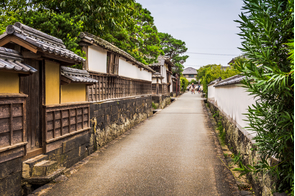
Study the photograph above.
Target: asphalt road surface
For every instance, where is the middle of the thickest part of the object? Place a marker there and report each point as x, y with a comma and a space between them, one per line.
171, 153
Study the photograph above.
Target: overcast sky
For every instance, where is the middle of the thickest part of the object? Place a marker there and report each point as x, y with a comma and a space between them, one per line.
205, 26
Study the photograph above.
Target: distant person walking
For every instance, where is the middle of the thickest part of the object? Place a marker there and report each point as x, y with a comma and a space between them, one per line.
193, 88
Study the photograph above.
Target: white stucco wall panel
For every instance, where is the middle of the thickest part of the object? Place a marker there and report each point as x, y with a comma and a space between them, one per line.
233, 100
97, 59
211, 92
132, 71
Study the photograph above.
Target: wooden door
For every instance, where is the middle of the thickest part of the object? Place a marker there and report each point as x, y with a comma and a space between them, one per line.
31, 85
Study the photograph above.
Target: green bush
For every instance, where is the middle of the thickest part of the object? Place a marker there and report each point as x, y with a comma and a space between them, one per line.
154, 105
183, 83
222, 133
267, 30
208, 73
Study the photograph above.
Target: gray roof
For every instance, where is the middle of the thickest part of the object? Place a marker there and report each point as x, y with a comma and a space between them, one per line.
77, 75
92, 39
232, 80
11, 60
161, 61
43, 41
215, 81
189, 70
157, 75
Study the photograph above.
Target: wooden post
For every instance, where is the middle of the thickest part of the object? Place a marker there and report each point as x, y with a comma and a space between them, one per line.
61, 122
82, 117
24, 121
76, 119
53, 124
11, 125
69, 117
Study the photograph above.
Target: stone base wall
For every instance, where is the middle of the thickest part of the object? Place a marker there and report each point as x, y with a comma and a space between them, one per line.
73, 150
108, 121
166, 100
239, 143
111, 119
161, 100
10, 177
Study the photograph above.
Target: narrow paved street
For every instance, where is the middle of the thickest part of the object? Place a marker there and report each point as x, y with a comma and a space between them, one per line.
171, 153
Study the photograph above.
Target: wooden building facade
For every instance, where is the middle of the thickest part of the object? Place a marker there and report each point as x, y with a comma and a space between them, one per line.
119, 75
162, 79
43, 103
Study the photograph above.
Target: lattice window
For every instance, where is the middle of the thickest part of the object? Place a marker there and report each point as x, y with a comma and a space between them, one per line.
12, 121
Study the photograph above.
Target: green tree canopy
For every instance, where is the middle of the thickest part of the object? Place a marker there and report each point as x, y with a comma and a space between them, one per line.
208, 73
183, 83
121, 22
174, 49
139, 39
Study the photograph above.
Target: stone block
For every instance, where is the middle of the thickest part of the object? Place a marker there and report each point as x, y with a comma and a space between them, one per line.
11, 184
75, 142
9, 167
44, 168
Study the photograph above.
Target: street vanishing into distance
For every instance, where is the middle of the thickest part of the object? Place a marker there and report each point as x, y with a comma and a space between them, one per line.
171, 153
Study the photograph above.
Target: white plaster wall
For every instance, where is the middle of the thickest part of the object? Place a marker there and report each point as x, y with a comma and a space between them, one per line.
211, 92
97, 59
234, 101
132, 71
164, 73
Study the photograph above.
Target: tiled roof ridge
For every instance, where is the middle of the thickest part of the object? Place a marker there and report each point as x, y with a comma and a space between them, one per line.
231, 80
11, 60
73, 71
7, 53
189, 70
77, 75
112, 47
160, 58
34, 33
45, 42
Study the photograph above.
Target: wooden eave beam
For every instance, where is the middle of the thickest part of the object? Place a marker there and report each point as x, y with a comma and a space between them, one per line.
63, 60
30, 55
65, 80
16, 40
16, 71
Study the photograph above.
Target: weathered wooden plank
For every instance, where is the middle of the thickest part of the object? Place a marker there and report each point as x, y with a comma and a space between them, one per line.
82, 118
57, 132
76, 120
53, 124
65, 130
61, 122
69, 121
5, 139
4, 125
65, 122
17, 136
4, 111
49, 125
11, 125
12, 152
17, 123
